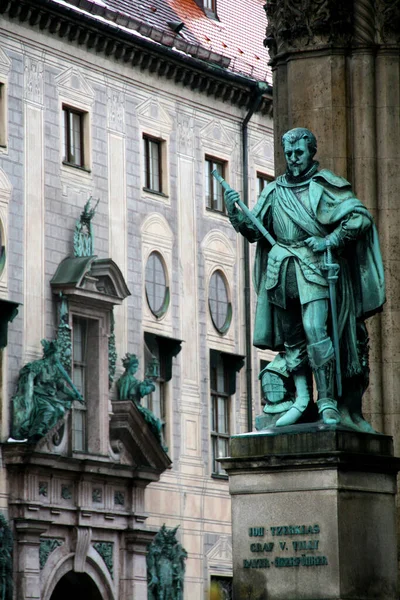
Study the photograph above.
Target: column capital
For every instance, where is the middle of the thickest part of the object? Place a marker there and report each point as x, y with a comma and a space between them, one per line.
29, 531
316, 24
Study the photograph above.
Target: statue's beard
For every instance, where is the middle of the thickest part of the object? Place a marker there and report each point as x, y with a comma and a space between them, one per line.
296, 174
296, 171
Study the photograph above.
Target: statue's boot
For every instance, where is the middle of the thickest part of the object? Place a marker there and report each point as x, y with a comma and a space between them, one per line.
303, 398
327, 405
321, 356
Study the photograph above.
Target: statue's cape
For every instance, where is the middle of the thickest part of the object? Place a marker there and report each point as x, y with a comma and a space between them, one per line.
331, 200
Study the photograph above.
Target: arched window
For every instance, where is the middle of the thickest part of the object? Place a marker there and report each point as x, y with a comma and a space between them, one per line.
218, 302
157, 290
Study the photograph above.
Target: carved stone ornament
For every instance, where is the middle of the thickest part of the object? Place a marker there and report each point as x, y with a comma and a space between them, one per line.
388, 20
64, 335
112, 353
6, 549
295, 24
47, 546
106, 551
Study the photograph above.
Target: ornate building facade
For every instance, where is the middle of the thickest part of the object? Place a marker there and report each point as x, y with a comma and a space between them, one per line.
133, 105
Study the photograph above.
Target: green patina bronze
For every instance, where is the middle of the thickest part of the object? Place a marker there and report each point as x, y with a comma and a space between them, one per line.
47, 546
83, 234
6, 549
130, 388
318, 275
106, 551
42, 397
165, 566
112, 353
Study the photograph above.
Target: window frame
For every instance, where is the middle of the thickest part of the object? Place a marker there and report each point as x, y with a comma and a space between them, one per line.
228, 319
161, 383
215, 396
77, 406
262, 177
67, 111
147, 187
166, 301
209, 162
3, 114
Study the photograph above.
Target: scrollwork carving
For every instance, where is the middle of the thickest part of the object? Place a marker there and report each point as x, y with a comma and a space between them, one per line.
388, 20
295, 24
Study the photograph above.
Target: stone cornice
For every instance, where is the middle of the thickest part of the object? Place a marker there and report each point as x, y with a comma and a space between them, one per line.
119, 43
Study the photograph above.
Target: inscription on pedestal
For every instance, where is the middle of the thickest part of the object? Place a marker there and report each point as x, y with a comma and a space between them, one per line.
285, 551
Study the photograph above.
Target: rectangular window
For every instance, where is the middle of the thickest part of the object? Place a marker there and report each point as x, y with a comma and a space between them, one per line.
72, 132
79, 376
262, 182
220, 417
152, 164
210, 4
214, 191
155, 368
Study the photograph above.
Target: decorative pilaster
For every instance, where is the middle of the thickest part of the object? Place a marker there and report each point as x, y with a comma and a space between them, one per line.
34, 207
27, 560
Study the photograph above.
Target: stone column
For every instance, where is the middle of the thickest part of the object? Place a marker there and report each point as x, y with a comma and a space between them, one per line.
134, 581
363, 168
26, 561
388, 155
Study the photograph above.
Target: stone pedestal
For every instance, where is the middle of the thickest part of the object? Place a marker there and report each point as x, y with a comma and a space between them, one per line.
313, 515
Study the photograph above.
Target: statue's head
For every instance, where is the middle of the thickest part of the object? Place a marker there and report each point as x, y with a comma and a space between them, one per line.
130, 363
49, 348
299, 146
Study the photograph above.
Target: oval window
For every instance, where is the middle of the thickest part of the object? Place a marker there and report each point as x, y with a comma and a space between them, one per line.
218, 301
157, 291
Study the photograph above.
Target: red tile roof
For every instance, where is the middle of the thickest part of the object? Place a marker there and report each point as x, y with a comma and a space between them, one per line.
237, 34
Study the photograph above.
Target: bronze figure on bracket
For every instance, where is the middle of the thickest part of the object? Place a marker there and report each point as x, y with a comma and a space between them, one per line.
130, 388
43, 397
318, 275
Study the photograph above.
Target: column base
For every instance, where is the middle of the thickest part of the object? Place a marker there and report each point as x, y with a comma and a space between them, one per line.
313, 515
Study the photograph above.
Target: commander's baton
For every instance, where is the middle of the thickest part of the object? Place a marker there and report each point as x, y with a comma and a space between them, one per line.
244, 208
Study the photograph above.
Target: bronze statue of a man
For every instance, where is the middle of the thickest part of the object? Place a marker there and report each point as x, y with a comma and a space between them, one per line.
312, 214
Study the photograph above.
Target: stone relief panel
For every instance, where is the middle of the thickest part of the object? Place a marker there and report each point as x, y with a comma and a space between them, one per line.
388, 20
152, 113
185, 134
72, 85
293, 24
116, 109
33, 80
5, 63
216, 137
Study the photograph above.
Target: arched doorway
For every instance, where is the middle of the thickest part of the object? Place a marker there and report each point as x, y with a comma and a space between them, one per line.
78, 586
